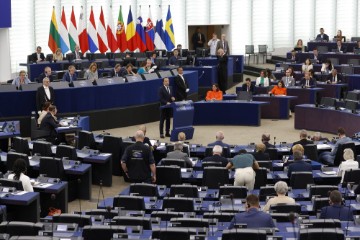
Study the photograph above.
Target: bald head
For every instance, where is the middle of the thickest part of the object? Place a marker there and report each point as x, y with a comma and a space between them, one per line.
219, 136
139, 136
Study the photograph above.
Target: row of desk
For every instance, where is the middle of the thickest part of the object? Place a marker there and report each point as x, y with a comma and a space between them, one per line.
342, 57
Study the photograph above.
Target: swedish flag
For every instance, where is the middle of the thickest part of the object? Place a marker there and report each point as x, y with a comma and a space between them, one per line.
169, 32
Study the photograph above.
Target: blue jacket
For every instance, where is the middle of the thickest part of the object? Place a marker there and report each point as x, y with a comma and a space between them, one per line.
299, 166
254, 218
337, 211
220, 143
66, 77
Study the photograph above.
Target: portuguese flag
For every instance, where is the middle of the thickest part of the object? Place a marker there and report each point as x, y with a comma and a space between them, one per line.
120, 33
54, 37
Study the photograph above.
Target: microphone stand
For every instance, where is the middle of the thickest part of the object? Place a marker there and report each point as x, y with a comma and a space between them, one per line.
53, 198
231, 195
100, 191
292, 220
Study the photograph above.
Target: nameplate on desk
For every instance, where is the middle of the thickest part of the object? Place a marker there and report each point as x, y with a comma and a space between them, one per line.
329, 173
104, 154
42, 185
19, 193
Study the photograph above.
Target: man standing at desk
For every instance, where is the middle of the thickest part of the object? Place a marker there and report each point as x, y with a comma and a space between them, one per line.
138, 161
213, 44
198, 39
165, 97
182, 87
224, 44
45, 93
253, 217
222, 70
329, 157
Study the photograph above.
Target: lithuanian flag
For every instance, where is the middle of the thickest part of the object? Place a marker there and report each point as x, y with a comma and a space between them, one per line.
54, 37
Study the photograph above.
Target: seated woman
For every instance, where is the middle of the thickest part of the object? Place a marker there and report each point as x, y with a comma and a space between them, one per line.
299, 45
58, 56
45, 110
280, 89
21, 79
49, 124
262, 81
281, 188
244, 164
142, 68
92, 73
348, 164
270, 75
128, 70
327, 66
307, 65
214, 94
19, 173
339, 36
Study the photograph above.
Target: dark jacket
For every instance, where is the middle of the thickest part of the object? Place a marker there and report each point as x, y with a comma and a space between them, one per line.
216, 158
299, 166
41, 97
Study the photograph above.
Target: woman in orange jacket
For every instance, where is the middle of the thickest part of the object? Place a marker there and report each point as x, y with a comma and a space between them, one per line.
280, 89
214, 94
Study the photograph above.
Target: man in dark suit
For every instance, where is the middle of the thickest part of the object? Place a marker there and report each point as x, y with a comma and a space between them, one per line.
216, 157
247, 86
334, 77
179, 154
77, 54
116, 72
303, 139
260, 153
182, 87
322, 36
49, 124
307, 81
165, 97
45, 93
265, 138
70, 75
253, 217
46, 73
222, 70
198, 39
298, 165
316, 56
38, 56
219, 140
224, 44
336, 210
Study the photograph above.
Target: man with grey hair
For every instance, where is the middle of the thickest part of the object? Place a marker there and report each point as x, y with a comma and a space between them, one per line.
348, 164
216, 157
178, 154
281, 188
299, 165
265, 138
318, 137
146, 139
219, 140
303, 139
138, 161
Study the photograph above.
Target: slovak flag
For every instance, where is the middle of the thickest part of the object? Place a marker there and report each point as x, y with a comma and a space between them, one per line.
150, 33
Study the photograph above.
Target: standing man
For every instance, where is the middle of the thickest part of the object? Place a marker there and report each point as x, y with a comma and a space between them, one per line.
213, 44
165, 97
77, 54
138, 161
46, 73
45, 93
38, 56
224, 44
322, 36
198, 39
182, 87
288, 80
222, 70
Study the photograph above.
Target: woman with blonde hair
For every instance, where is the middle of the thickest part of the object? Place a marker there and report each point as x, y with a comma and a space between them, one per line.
92, 73
58, 56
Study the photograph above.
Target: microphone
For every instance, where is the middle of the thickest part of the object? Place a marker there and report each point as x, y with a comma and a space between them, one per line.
79, 182
108, 210
274, 141
100, 191
292, 218
202, 74
53, 198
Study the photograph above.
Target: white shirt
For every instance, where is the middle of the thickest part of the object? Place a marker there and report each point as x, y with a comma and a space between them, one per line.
346, 165
25, 180
212, 44
47, 92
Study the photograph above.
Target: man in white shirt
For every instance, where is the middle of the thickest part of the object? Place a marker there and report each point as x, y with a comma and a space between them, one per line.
213, 44
45, 93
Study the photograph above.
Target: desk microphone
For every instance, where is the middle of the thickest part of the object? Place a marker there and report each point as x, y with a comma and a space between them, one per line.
53, 198
292, 218
79, 182
202, 74
274, 141
100, 191
108, 210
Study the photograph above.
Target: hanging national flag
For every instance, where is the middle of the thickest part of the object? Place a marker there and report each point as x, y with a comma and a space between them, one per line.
112, 44
150, 33
140, 34
54, 37
92, 34
73, 36
64, 34
120, 33
159, 32
169, 32
101, 35
130, 32
83, 36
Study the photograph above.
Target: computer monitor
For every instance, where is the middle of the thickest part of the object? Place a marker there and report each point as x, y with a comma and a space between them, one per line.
150, 76
109, 81
128, 60
351, 105
60, 85
161, 52
83, 83
328, 102
133, 78
7, 88
202, 52
244, 96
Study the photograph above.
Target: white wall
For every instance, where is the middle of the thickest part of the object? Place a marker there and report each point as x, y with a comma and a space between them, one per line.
5, 66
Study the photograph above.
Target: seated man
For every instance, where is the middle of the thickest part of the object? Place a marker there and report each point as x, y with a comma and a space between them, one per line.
178, 154
303, 139
319, 138
37, 56
116, 72
219, 140
216, 157
174, 59
281, 188
329, 157
253, 217
46, 73
336, 210
307, 81
247, 86
260, 153
334, 77
298, 165
265, 138
49, 124
70, 75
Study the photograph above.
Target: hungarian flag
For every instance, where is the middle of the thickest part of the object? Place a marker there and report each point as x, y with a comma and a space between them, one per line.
120, 33
73, 36
54, 37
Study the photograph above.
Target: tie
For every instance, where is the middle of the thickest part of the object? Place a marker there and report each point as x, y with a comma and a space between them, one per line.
77, 55
70, 77
168, 89
248, 89
287, 82
199, 36
307, 83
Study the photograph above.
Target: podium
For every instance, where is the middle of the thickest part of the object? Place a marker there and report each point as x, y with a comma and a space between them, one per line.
183, 118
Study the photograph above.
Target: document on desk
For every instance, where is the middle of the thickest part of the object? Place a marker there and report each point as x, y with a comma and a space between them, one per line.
323, 146
19, 193
43, 185
282, 175
104, 154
